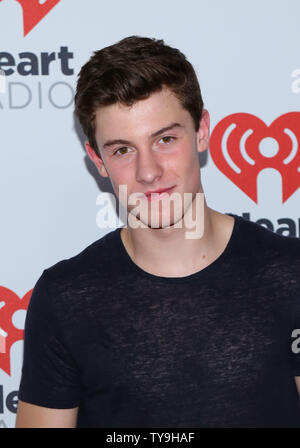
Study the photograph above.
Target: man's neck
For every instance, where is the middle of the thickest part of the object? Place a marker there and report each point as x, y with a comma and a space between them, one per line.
167, 253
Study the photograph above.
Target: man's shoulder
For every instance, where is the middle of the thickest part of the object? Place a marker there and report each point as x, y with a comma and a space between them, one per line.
267, 242
97, 255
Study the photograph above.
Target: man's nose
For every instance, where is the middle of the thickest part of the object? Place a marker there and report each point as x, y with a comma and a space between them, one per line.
148, 167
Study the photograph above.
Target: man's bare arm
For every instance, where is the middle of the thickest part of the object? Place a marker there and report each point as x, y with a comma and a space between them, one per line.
32, 416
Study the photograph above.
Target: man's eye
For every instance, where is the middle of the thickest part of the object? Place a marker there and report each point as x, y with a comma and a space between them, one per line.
167, 139
122, 150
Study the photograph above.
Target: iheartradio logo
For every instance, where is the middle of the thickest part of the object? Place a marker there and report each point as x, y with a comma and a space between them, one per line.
10, 332
34, 11
240, 148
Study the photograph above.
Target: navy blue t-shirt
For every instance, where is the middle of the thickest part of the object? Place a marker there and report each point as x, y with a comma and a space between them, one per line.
132, 349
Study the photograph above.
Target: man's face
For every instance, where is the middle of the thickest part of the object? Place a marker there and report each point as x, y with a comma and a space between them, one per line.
151, 145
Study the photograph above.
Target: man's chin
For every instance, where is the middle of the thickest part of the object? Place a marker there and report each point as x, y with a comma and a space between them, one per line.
156, 223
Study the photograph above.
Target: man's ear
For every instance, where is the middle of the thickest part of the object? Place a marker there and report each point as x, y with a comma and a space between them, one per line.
203, 131
96, 159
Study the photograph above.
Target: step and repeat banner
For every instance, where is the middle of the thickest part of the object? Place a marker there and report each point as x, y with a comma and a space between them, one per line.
247, 58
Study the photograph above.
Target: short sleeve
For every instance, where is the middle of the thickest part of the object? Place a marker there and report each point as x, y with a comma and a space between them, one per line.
49, 374
295, 337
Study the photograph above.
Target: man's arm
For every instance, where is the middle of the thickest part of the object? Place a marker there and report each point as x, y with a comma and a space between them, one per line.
297, 379
32, 416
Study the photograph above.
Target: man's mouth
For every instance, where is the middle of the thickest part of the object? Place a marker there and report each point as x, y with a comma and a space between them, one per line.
157, 194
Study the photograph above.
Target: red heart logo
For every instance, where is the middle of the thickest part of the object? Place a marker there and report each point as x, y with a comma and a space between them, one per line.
34, 11
236, 149
9, 334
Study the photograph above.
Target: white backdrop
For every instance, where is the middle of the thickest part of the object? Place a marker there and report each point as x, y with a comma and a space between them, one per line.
247, 58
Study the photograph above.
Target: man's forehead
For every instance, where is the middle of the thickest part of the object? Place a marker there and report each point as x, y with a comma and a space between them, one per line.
162, 98
146, 116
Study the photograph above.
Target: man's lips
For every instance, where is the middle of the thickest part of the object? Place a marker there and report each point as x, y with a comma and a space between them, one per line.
155, 194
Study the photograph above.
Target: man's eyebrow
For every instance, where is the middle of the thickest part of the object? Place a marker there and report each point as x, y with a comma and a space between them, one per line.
166, 128
155, 134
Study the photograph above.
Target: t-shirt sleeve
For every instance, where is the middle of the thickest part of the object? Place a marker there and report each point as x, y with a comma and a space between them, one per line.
295, 338
49, 373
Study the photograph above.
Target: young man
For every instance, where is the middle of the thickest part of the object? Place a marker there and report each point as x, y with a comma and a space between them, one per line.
147, 327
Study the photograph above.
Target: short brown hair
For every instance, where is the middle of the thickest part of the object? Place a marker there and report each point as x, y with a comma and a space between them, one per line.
131, 70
